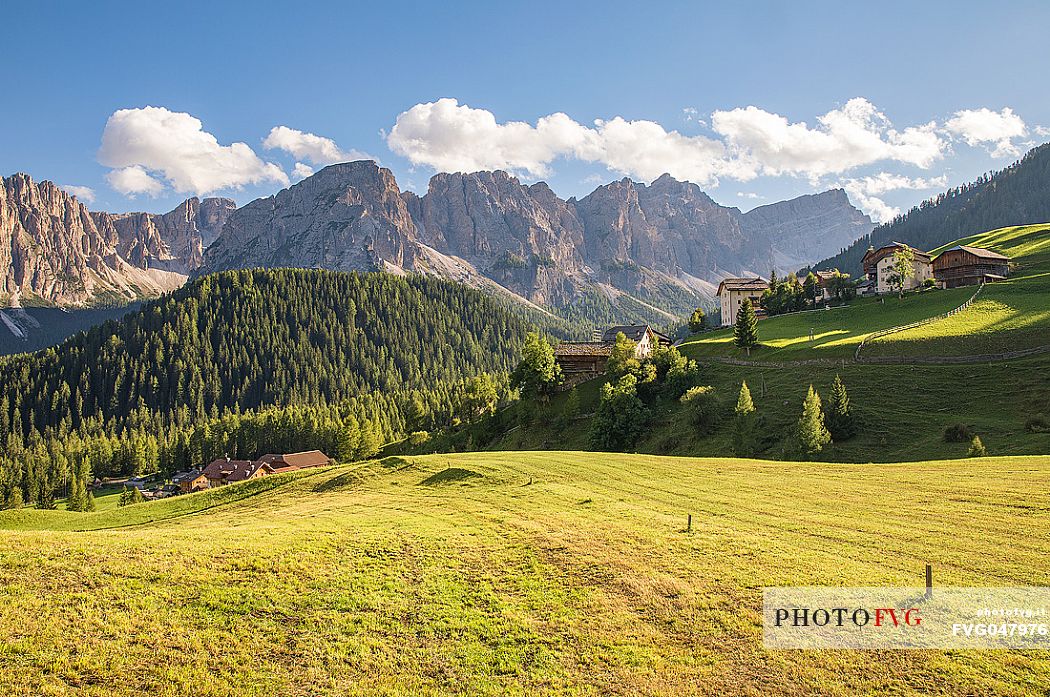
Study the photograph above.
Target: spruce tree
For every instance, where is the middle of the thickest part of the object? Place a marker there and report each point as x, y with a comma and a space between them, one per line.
14, 499
135, 496
838, 414
90, 507
745, 334
77, 499
812, 433
744, 424
977, 448
125, 497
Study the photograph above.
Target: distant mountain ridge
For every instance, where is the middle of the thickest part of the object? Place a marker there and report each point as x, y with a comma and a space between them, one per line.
54, 251
1016, 195
627, 250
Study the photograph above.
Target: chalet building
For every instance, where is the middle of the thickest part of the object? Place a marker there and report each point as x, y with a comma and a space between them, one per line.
582, 360
192, 480
733, 291
878, 267
969, 266
643, 335
295, 461
226, 471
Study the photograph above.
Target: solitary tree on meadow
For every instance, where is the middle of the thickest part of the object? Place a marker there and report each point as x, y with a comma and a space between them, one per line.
977, 448
744, 423
745, 334
902, 269
838, 414
812, 433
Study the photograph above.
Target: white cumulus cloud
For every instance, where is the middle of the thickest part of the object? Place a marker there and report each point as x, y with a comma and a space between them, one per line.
857, 134
313, 148
865, 192
301, 171
751, 142
134, 180
993, 129
85, 193
153, 145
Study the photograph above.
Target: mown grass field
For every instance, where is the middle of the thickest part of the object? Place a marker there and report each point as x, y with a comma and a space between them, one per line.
1007, 316
512, 573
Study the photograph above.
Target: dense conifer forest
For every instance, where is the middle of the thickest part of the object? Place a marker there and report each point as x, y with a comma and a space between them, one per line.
245, 362
1016, 195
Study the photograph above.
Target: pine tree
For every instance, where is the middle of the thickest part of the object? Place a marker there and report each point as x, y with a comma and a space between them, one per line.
349, 440
745, 406
838, 415
977, 448
90, 507
14, 499
77, 499
744, 424
812, 433
125, 497
745, 333
135, 496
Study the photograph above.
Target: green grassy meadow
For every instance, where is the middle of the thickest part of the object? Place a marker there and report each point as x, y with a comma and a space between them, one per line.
1011, 315
836, 332
1007, 316
512, 573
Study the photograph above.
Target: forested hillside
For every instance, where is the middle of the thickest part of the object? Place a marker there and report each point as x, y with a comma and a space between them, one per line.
1017, 195
246, 362
246, 339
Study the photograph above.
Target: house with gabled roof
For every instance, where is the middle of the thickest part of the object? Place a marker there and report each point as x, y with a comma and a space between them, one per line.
226, 471
581, 360
878, 267
733, 291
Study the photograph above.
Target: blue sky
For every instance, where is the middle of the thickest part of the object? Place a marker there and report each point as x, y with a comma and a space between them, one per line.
756, 102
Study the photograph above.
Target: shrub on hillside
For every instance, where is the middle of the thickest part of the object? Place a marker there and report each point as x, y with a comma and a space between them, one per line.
958, 433
621, 416
702, 405
418, 438
1037, 424
977, 448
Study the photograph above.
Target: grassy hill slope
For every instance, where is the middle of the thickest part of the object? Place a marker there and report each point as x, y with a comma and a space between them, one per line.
516, 573
902, 412
1008, 316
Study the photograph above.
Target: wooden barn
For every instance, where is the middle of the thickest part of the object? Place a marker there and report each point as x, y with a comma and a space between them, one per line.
582, 359
969, 266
